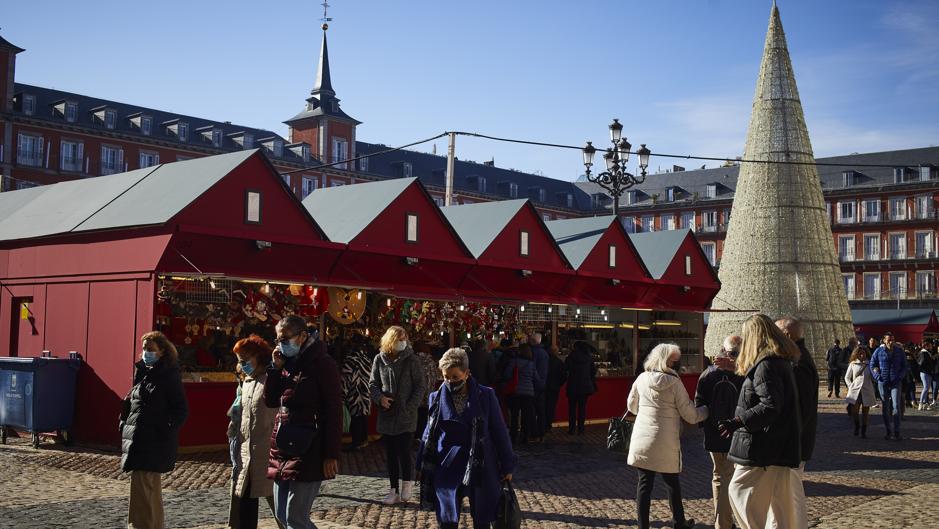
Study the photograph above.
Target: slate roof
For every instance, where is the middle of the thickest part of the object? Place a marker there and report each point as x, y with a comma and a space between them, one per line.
891, 316
479, 224
657, 249
46, 98
431, 169
578, 237
137, 198
343, 212
696, 181
4, 43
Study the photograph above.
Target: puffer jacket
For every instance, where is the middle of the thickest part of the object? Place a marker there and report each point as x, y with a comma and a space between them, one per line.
660, 401
306, 391
256, 425
769, 409
528, 376
402, 379
157, 410
889, 367
806, 375
581, 374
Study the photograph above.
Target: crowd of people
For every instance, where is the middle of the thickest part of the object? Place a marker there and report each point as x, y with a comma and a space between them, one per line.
757, 404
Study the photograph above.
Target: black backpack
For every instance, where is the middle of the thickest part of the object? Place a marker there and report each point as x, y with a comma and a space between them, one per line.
723, 403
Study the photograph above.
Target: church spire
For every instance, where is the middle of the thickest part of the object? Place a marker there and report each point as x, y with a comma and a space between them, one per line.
794, 270
324, 85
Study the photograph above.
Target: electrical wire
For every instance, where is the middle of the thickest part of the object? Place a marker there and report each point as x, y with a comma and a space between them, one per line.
357, 158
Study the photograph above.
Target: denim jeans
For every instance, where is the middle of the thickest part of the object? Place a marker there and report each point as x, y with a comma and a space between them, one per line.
293, 501
892, 402
927, 385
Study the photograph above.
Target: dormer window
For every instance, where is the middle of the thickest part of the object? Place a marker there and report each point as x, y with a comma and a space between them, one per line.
244, 139
216, 137
847, 178
407, 170
363, 164
631, 197
481, 185
177, 128
670, 194
899, 175
523, 244
146, 125
71, 112
513, 192
537, 194
301, 149
29, 104
925, 172
711, 191
105, 116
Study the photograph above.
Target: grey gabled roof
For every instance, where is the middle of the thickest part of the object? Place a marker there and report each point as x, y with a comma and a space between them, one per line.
479, 224
658, 248
891, 316
578, 237
142, 197
343, 212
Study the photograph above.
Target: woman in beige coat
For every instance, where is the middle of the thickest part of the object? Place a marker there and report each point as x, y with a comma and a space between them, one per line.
660, 402
860, 389
257, 422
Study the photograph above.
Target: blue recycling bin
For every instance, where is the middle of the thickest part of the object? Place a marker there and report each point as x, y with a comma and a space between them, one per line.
38, 395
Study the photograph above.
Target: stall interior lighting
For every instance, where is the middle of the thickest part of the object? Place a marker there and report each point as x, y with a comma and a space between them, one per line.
550, 308
316, 291
603, 313
522, 308
667, 323
643, 310
211, 283
599, 326
359, 296
461, 307
468, 336
388, 303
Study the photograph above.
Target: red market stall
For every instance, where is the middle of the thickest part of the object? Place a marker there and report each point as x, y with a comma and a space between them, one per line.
88, 263
397, 240
907, 325
684, 278
516, 256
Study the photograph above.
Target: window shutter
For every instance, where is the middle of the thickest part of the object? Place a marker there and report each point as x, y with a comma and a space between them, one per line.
61, 155
120, 160
80, 156
40, 145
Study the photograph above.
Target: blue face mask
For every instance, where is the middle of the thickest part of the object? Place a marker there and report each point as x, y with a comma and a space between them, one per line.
149, 357
247, 368
289, 349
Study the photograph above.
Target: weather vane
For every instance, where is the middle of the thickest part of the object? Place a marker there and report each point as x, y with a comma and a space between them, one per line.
325, 18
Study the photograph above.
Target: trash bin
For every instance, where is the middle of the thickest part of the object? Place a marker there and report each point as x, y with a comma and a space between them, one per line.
38, 395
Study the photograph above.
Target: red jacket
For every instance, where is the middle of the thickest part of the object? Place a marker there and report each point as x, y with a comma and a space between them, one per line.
307, 390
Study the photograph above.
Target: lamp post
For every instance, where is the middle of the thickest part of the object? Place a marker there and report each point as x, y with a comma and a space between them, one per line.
616, 180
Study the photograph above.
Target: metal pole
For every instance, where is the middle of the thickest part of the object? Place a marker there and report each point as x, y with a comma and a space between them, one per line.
451, 158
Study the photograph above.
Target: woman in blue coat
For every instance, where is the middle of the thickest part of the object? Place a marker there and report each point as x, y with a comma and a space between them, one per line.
465, 450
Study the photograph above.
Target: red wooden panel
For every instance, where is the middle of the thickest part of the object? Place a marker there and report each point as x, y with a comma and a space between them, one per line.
207, 423
610, 399
67, 314
428, 278
543, 253
80, 258
678, 291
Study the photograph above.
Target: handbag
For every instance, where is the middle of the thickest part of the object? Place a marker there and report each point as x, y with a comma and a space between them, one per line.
510, 386
508, 512
618, 433
294, 440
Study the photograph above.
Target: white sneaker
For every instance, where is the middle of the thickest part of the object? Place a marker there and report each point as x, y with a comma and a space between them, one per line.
406, 490
392, 498
920, 407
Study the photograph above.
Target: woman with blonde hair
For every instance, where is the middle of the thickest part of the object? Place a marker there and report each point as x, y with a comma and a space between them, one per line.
153, 412
766, 430
660, 401
397, 387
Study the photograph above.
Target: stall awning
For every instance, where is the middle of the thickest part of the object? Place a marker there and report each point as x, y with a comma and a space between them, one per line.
908, 325
397, 239
609, 269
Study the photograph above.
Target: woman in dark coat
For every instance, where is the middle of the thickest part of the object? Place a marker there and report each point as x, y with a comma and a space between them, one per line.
767, 429
581, 383
521, 401
153, 412
304, 383
465, 449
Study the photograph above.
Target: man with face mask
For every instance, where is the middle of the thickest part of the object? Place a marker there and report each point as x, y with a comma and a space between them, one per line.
303, 382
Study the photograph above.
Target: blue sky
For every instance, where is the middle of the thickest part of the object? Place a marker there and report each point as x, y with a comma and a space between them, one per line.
679, 74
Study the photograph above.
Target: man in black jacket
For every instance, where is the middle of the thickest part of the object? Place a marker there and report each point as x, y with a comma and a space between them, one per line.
806, 375
833, 358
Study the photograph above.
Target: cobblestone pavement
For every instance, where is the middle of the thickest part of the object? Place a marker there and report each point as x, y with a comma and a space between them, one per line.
566, 482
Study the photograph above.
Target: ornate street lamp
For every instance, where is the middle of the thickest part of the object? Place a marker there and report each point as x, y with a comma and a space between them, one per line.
616, 180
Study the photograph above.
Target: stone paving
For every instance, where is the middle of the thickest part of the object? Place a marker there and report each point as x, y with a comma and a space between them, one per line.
567, 482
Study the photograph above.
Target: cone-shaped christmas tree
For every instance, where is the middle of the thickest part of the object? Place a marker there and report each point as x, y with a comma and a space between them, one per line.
779, 256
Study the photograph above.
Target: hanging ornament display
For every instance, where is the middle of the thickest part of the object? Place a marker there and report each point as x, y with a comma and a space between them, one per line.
346, 306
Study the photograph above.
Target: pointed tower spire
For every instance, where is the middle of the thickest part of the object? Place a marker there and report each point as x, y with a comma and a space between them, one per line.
324, 85
779, 255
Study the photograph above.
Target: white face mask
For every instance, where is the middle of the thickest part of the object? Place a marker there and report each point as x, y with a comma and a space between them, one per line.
401, 345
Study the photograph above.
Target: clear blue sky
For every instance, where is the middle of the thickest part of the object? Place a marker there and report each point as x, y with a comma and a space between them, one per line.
679, 74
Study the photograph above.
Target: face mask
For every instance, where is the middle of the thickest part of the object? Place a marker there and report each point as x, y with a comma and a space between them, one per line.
675, 366
401, 345
247, 368
456, 386
149, 357
289, 349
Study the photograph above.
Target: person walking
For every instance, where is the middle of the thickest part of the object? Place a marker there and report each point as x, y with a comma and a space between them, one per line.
541, 358
888, 365
255, 426
872, 344
660, 401
465, 450
397, 387
765, 434
859, 381
557, 376
719, 389
833, 358
152, 413
478, 359
521, 401
431, 380
927, 366
581, 383
807, 381
356, 394
303, 383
